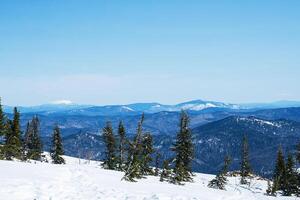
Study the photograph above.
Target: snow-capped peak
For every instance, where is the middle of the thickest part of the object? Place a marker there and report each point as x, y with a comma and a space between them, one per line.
65, 102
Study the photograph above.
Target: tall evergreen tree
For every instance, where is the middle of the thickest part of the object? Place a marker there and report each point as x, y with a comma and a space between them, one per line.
122, 145
147, 151
110, 143
220, 180
279, 179
184, 151
134, 165
245, 164
291, 186
32, 141
13, 144
57, 147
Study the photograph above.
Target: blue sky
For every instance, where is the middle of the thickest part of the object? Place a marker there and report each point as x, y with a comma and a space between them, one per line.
168, 51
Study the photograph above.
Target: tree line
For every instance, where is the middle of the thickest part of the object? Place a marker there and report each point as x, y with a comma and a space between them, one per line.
26, 146
135, 157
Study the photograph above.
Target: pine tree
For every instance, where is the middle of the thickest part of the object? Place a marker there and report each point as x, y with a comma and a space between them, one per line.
291, 186
245, 164
32, 141
147, 151
110, 143
133, 166
122, 146
184, 151
165, 174
157, 159
220, 180
57, 147
279, 178
13, 144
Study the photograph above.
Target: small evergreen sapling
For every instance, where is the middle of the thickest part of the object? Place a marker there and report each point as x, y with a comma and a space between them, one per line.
166, 172
220, 180
157, 160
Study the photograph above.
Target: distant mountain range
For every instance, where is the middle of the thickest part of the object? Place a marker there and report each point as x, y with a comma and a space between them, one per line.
68, 108
212, 142
217, 128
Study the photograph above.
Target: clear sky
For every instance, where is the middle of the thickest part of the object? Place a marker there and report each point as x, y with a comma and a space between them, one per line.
168, 51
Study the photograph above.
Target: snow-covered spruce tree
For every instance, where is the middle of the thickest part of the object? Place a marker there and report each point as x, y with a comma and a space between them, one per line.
220, 180
147, 151
166, 172
184, 151
279, 173
13, 145
110, 160
245, 164
57, 147
32, 142
157, 159
133, 166
122, 146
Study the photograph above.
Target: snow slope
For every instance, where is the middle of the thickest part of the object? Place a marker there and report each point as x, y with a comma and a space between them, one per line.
86, 180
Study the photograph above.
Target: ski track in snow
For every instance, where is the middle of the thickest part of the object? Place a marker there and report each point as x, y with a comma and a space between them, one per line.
74, 181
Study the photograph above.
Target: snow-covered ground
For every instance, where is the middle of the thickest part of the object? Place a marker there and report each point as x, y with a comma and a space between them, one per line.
86, 180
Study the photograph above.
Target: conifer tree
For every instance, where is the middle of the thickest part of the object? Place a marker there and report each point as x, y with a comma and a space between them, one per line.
245, 164
133, 167
122, 145
291, 182
57, 147
220, 180
166, 172
184, 152
32, 141
110, 143
157, 159
13, 144
279, 171
147, 151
